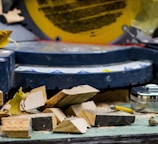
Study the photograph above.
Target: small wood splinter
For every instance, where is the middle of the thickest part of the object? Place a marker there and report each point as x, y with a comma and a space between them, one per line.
152, 121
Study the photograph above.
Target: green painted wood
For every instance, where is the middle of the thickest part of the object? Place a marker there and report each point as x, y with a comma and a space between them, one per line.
137, 132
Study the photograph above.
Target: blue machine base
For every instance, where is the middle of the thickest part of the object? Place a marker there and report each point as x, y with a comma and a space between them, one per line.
98, 80
57, 54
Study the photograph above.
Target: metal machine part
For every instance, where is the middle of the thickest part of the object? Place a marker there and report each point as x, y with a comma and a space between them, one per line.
145, 98
101, 66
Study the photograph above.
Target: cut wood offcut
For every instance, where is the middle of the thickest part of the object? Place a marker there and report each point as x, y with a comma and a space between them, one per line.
72, 125
16, 127
76, 95
43, 121
83, 111
60, 116
21, 126
1, 98
34, 99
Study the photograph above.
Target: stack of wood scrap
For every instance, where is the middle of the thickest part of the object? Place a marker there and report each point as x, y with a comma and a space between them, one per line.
68, 111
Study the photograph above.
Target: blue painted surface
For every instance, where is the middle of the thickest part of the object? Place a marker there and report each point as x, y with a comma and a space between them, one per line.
97, 80
7, 65
64, 54
146, 53
59, 54
4, 75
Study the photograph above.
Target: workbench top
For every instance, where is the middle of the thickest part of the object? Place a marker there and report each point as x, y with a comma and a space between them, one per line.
138, 132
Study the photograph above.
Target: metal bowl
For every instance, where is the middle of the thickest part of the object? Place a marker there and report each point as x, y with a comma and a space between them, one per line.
144, 98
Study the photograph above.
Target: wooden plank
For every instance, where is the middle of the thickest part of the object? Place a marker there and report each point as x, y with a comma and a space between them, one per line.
75, 95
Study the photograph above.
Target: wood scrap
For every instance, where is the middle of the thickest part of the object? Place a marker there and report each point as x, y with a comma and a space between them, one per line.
21, 126
4, 114
72, 125
75, 109
71, 96
117, 118
83, 111
1, 98
13, 133
60, 116
80, 115
34, 99
43, 121
88, 116
12, 16
16, 127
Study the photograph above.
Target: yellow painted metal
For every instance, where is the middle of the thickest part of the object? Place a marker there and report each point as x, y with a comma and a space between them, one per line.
82, 21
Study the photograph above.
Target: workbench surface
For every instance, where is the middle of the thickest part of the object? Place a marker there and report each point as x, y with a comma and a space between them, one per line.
138, 132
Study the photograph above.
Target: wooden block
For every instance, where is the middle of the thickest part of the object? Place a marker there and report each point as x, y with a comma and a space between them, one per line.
18, 122
34, 99
113, 119
72, 125
4, 114
75, 95
83, 111
2, 133
60, 116
38, 122
88, 116
75, 109
1, 98
43, 121
89, 105
17, 134
16, 127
